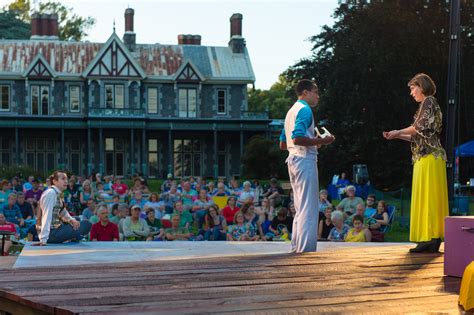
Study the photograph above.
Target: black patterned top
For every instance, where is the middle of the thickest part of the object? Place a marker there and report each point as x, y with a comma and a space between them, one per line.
428, 122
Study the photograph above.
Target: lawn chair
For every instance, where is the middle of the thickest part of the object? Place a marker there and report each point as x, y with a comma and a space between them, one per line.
391, 214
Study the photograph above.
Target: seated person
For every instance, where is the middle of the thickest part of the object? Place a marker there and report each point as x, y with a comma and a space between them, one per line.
371, 207
274, 192
341, 184
12, 212
200, 206
90, 210
215, 226
104, 230
35, 192
186, 218
188, 195
135, 228
170, 198
32, 234
156, 228
325, 225
350, 202
369, 222
101, 193
155, 204
175, 232
122, 213
280, 229
25, 207
246, 195
358, 233
324, 200
230, 210
8, 227
139, 201
240, 231
119, 188
166, 186
381, 216
339, 231
221, 190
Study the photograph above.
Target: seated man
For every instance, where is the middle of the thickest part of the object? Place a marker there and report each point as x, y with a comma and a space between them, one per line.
369, 222
35, 192
8, 227
350, 202
104, 230
280, 229
89, 212
54, 223
175, 232
12, 212
371, 207
136, 228
274, 193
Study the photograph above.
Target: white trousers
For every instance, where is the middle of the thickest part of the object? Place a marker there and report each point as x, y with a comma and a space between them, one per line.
305, 184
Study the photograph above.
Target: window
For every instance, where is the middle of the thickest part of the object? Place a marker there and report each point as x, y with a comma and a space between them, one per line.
222, 157
114, 156
74, 99
152, 100
41, 154
114, 96
187, 103
5, 152
222, 102
39, 100
75, 156
187, 157
153, 157
4, 98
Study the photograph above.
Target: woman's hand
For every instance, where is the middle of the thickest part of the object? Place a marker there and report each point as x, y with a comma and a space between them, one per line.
390, 135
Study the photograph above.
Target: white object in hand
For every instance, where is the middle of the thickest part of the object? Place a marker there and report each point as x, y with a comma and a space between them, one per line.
324, 135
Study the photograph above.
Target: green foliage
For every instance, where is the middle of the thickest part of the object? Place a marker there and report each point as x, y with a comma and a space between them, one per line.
8, 172
263, 159
71, 26
275, 100
362, 65
11, 27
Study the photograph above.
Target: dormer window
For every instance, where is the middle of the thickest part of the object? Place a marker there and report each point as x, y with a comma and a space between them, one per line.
114, 96
40, 100
187, 103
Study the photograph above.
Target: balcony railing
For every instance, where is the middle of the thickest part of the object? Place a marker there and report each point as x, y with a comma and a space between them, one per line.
254, 115
116, 112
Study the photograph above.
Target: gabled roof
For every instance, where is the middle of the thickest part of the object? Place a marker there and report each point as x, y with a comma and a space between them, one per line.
114, 59
154, 61
187, 72
39, 68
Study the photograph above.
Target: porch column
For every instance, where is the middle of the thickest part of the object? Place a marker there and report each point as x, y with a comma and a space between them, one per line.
132, 151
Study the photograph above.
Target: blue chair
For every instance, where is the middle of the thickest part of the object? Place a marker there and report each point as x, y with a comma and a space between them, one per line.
391, 214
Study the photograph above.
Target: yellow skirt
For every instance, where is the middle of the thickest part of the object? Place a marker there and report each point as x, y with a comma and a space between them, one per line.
429, 199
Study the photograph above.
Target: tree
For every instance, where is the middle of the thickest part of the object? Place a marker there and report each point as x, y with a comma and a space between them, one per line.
362, 65
275, 100
11, 27
263, 159
71, 26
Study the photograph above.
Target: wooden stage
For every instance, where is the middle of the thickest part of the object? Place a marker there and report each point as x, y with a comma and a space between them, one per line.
371, 279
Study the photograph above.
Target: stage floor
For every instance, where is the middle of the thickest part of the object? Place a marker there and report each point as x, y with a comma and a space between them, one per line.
196, 278
117, 252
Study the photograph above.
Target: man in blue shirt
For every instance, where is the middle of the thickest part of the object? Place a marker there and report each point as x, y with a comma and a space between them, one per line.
299, 139
12, 212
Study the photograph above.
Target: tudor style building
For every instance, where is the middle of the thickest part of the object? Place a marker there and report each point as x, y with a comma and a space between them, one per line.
121, 108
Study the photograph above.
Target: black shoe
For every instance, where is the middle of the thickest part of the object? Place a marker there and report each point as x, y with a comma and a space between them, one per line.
421, 247
435, 244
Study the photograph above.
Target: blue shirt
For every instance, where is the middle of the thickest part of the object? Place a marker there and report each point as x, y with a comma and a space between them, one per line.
304, 119
13, 214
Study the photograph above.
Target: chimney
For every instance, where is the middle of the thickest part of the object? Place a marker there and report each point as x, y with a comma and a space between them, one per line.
237, 42
44, 26
187, 39
129, 38
236, 25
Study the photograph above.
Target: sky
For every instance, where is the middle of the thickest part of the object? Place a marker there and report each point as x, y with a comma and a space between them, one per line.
276, 31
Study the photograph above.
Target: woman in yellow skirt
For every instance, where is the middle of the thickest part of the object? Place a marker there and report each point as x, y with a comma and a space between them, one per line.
429, 200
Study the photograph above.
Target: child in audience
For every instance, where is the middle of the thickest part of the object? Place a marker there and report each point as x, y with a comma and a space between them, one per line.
358, 233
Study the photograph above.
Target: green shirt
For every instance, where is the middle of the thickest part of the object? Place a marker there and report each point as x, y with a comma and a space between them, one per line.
349, 205
186, 217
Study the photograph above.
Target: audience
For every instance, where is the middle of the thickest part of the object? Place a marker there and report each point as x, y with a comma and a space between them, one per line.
189, 212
